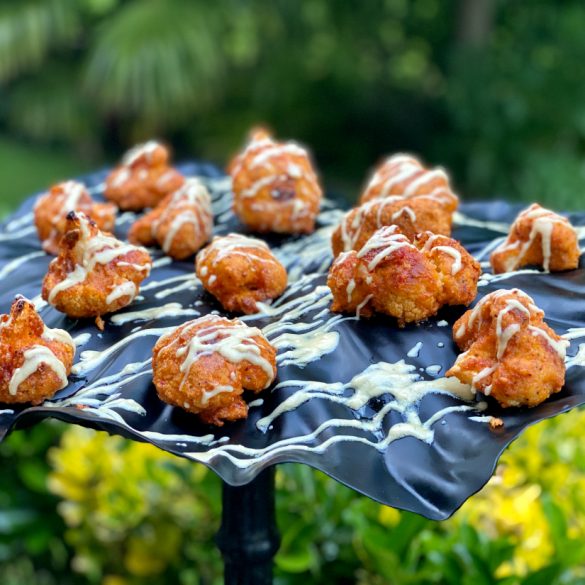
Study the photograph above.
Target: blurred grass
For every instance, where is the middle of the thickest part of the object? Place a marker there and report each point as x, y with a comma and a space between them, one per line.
26, 169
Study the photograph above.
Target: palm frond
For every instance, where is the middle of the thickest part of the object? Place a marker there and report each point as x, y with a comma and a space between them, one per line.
49, 107
29, 29
155, 62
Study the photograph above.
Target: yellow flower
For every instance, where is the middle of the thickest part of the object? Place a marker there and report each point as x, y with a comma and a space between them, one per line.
114, 580
389, 517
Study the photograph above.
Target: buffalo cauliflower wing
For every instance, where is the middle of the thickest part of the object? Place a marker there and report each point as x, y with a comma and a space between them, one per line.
538, 237
404, 176
35, 360
143, 179
239, 272
275, 186
509, 352
51, 209
412, 216
407, 280
94, 273
204, 366
180, 224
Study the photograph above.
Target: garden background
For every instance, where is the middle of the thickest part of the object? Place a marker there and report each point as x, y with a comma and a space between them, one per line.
491, 89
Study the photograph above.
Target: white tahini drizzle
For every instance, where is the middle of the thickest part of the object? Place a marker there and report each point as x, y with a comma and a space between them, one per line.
236, 343
18, 262
168, 310
543, 224
385, 242
34, 357
144, 150
189, 205
398, 381
496, 294
461, 219
236, 245
301, 339
505, 334
97, 249
310, 253
414, 351
125, 289
353, 221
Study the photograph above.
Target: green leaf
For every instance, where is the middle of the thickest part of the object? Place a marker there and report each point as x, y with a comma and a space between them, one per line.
544, 576
29, 29
298, 561
155, 62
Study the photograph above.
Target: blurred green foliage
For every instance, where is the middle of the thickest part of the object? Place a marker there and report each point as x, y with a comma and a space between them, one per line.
104, 510
489, 88
25, 170
32, 549
502, 106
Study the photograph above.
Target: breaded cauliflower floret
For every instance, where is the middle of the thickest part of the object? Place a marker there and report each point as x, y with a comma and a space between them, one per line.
204, 366
34, 360
458, 271
275, 186
240, 271
95, 273
538, 237
180, 224
143, 179
412, 216
409, 281
404, 175
403, 193
51, 211
509, 352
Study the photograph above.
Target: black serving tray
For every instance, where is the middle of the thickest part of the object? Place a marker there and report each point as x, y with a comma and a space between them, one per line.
432, 479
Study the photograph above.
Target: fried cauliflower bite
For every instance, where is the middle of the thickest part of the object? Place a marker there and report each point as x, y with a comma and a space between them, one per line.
34, 360
143, 179
404, 175
510, 353
51, 209
275, 187
412, 216
204, 366
458, 270
408, 281
239, 272
538, 237
94, 273
180, 224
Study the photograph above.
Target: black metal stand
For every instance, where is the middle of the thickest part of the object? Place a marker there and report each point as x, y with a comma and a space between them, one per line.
248, 537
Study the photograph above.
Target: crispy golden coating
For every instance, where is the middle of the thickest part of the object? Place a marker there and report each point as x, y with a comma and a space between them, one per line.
204, 365
458, 270
275, 187
510, 353
401, 192
403, 175
95, 273
412, 216
143, 179
538, 237
180, 224
409, 281
34, 360
239, 272
51, 211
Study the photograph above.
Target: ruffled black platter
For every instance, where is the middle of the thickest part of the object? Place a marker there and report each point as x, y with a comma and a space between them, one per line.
431, 475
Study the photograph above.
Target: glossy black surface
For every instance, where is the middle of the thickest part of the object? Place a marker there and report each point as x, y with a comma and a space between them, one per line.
430, 479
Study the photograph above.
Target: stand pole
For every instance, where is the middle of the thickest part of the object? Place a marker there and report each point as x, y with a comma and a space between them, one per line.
248, 537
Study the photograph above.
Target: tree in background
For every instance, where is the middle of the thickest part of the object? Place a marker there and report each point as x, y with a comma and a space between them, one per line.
488, 88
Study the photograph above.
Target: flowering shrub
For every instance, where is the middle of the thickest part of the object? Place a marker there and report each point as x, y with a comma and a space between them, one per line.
134, 513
